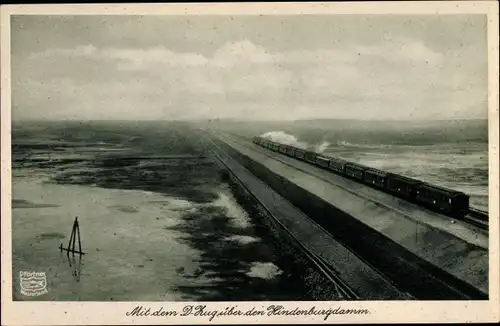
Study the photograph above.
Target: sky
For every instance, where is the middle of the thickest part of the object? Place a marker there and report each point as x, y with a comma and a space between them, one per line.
383, 67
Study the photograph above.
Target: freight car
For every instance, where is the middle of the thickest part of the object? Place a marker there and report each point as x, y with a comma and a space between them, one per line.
446, 201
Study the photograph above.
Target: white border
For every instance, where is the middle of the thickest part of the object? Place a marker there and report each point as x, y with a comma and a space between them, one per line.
64, 313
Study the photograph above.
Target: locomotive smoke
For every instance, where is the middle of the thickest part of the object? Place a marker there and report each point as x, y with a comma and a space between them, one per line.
322, 147
287, 139
284, 138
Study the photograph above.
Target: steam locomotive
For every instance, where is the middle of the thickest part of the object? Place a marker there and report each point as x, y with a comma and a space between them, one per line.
439, 199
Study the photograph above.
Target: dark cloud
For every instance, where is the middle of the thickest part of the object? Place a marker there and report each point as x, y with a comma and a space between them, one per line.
205, 34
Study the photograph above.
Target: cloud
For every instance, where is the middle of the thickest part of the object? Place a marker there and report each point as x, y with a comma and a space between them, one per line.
241, 52
397, 78
79, 51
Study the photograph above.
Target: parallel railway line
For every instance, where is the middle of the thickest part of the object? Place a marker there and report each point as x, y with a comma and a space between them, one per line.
319, 264
478, 218
432, 274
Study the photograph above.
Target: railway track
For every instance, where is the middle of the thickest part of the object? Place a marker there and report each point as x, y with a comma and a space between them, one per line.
319, 264
475, 217
414, 269
479, 214
478, 218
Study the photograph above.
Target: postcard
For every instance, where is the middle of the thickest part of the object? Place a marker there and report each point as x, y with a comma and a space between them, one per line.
250, 163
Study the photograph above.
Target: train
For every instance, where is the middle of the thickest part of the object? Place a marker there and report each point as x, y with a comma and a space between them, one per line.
442, 200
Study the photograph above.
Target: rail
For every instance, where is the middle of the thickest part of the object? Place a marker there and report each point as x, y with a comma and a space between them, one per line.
478, 218
479, 214
319, 263
431, 272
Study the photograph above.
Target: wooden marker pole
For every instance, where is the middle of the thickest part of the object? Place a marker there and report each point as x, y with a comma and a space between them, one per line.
75, 231
74, 234
79, 240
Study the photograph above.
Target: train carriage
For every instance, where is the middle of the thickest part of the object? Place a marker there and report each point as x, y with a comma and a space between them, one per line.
402, 186
322, 161
355, 171
310, 156
337, 165
299, 154
290, 151
282, 149
375, 177
441, 199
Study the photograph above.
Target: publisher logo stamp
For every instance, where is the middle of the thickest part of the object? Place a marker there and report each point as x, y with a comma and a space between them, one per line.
33, 283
